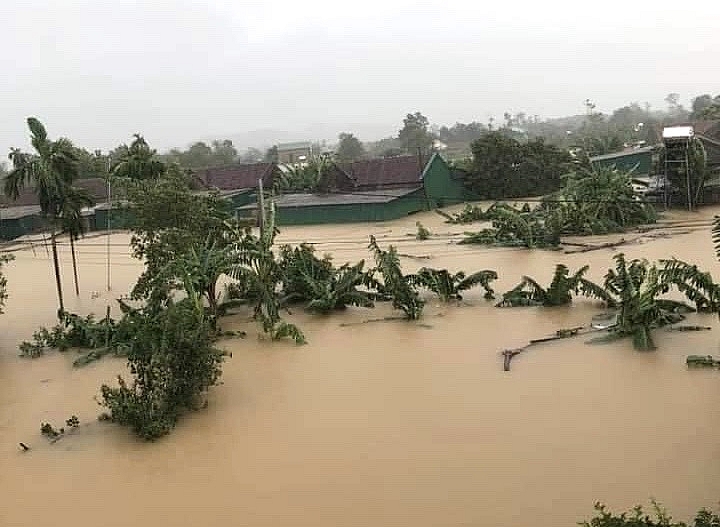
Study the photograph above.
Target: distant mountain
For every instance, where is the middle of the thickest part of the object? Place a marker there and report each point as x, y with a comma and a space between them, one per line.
264, 138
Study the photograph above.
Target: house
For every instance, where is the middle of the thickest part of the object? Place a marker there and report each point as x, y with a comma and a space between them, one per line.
343, 207
23, 216
642, 161
239, 183
96, 187
19, 220
291, 153
372, 190
440, 183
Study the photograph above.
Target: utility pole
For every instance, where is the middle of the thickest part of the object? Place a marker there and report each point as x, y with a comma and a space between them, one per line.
109, 198
261, 207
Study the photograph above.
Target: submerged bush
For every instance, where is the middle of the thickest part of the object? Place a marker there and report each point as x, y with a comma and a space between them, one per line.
173, 363
638, 518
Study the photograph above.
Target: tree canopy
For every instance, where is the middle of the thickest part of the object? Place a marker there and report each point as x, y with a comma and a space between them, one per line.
415, 133
349, 148
137, 161
503, 167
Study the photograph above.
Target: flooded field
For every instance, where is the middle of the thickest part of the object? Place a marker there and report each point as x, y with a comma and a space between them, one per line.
378, 424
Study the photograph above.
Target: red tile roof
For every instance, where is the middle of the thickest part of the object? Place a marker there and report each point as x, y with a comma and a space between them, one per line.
96, 187
389, 172
237, 177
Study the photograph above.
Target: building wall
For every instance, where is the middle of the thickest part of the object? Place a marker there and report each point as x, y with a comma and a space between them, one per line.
16, 227
441, 188
119, 219
292, 156
643, 160
347, 212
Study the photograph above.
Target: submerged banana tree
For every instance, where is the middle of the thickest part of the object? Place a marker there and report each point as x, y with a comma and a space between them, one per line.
300, 268
517, 228
636, 287
560, 291
697, 286
450, 286
256, 267
341, 289
396, 286
316, 282
201, 266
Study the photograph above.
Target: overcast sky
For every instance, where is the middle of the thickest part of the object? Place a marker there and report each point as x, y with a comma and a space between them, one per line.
180, 70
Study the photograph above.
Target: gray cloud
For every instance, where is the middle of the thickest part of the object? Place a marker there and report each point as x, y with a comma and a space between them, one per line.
184, 70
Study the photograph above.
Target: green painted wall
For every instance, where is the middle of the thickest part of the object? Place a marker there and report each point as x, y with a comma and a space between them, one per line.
348, 212
244, 198
16, 227
643, 160
441, 188
119, 219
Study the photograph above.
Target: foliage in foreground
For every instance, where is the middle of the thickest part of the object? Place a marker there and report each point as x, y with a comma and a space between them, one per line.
636, 287
637, 517
396, 286
518, 228
261, 273
173, 363
174, 229
101, 337
449, 286
593, 200
320, 285
4, 258
563, 285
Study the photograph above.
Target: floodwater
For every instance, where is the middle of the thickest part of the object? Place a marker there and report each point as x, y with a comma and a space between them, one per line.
376, 424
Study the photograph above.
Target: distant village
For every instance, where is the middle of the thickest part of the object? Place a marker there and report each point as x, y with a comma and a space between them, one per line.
385, 185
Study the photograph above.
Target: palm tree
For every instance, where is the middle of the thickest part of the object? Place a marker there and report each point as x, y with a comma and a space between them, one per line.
52, 170
71, 222
137, 161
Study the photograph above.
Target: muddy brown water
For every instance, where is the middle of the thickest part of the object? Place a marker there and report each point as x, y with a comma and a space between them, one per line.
378, 424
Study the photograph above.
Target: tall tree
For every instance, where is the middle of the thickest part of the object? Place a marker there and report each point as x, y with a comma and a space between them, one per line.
349, 148
223, 153
271, 155
503, 167
92, 164
137, 161
414, 134
71, 222
699, 104
52, 169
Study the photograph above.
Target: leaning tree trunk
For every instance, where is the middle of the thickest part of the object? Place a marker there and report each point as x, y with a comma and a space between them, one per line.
74, 262
56, 264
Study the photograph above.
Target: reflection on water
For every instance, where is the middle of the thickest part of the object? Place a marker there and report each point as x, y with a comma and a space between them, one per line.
372, 424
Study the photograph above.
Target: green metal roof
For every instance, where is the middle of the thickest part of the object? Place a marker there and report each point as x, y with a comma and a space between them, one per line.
314, 200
